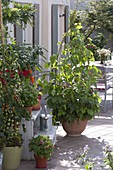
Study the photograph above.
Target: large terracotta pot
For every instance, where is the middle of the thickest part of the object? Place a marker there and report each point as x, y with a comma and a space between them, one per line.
40, 162
75, 128
11, 157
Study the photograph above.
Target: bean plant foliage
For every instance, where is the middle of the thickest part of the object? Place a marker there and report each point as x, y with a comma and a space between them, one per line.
18, 13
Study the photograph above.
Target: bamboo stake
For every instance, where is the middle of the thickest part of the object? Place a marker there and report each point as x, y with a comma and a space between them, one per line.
1, 23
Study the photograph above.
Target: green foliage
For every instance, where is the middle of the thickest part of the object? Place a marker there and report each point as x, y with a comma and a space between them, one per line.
108, 160
95, 46
99, 40
15, 85
69, 89
26, 55
98, 17
15, 63
28, 95
18, 14
15, 139
42, 146
100, 14
84, 159
12, 140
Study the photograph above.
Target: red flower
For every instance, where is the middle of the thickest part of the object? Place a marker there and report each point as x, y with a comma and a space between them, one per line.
7, 71
24, 73
3, 81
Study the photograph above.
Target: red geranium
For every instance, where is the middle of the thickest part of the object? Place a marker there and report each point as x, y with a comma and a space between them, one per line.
24, 73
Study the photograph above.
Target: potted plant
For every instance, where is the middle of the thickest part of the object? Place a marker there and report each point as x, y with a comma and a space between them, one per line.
42, 147
69, 91
38, 105
13, 60
29, 95
12, 112
11, 147
104, 54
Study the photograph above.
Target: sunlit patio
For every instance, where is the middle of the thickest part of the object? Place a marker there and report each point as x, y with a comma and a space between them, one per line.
98, 134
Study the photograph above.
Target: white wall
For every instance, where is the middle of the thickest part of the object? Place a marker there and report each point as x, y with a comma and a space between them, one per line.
46, 25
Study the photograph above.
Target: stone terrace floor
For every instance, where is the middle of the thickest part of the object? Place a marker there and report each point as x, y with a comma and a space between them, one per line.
98, 134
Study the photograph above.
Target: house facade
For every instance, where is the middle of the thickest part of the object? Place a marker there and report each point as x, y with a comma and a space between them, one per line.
50, 22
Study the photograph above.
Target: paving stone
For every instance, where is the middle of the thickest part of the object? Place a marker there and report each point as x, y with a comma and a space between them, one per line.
1, 160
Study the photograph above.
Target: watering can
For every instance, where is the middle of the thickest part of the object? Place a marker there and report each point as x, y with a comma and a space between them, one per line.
45, 120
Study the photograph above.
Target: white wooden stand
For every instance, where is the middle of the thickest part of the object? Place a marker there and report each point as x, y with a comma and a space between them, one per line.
33, 129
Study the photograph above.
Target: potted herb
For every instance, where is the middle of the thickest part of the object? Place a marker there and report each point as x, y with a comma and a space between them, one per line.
42, 147
69, 91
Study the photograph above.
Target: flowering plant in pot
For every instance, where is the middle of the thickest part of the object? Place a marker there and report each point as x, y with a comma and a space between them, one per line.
104, 54
42, 147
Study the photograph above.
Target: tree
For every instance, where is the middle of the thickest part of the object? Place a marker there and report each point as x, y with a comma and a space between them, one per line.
98, 17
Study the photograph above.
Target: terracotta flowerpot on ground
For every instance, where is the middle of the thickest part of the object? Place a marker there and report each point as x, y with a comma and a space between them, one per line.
75, 128
40, 162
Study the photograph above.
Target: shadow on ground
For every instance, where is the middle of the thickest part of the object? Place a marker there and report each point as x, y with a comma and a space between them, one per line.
68, 149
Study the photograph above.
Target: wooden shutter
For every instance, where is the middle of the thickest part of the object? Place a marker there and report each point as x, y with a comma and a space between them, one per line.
36, 26
66, 21
54, 28
18, 34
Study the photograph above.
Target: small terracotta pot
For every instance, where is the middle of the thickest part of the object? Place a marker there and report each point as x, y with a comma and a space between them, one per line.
40, 162
37, 107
